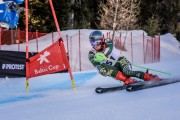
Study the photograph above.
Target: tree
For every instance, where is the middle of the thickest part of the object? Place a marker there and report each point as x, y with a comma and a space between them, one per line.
165, 11
40, 17
83, 14
152, 26
62, 9
101, 14
71, 14
127, 14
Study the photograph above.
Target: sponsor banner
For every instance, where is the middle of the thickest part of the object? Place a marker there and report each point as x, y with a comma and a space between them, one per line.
13, 66
12, 63
50, 60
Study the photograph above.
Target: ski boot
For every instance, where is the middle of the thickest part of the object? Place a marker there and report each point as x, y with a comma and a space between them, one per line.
149, 77
124, 78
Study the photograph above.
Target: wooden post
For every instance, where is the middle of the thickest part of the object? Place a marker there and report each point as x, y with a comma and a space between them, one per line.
37, 40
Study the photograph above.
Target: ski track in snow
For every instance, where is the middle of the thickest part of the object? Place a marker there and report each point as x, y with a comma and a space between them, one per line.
48, 86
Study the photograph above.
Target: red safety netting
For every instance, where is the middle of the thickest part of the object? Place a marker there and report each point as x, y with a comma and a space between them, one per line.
18, 36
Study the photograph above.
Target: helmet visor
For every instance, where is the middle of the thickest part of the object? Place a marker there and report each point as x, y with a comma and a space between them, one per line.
95, 42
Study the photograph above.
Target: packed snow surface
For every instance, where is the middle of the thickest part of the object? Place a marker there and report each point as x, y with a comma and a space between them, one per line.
51, 97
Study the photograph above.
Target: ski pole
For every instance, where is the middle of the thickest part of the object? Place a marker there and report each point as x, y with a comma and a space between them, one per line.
152, 69
100, 57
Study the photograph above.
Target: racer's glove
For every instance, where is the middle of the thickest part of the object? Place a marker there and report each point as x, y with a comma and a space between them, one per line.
98, 57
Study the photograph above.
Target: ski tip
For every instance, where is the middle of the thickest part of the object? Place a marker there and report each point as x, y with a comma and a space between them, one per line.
129, 88
98, 90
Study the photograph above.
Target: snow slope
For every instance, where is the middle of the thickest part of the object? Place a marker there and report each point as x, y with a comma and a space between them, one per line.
51, 97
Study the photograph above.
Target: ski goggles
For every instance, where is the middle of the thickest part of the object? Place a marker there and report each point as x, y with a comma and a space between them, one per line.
95, 42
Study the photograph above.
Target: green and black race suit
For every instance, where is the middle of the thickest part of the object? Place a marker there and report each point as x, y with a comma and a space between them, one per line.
113, 67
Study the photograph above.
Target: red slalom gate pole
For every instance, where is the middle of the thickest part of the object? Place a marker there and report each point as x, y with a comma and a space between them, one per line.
58, 29
27, 49
55, 18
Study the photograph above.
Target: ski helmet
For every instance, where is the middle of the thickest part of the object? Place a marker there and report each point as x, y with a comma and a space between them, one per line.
96, 37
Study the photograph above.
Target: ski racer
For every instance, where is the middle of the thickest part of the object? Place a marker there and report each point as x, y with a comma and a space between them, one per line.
120, 70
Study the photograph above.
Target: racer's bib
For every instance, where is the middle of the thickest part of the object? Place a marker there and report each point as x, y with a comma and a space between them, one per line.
114, 55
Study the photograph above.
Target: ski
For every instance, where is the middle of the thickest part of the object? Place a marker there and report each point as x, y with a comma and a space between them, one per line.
137, 86
101, 90
150, 84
